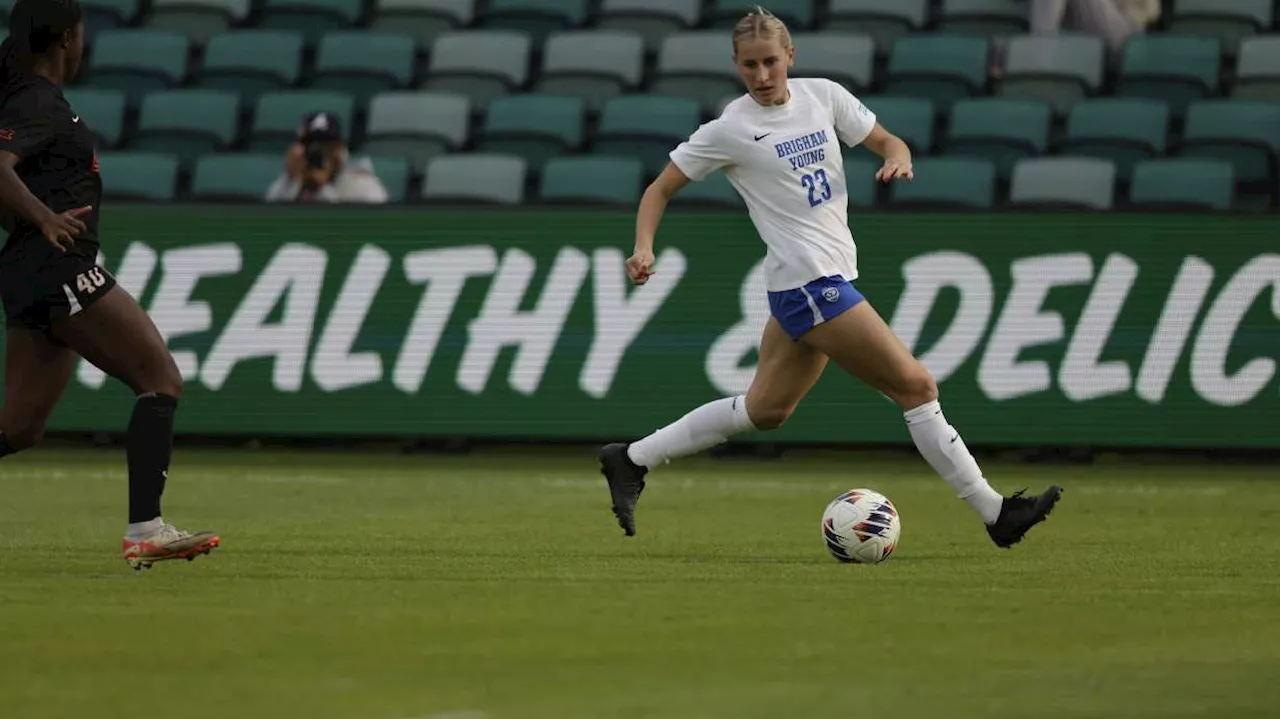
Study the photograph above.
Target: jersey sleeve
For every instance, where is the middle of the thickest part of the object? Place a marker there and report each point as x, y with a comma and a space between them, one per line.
703, 153
26, 125
853, 120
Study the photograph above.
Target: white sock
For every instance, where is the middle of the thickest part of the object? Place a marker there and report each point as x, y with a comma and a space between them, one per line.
704, 427
142, 530
942, 448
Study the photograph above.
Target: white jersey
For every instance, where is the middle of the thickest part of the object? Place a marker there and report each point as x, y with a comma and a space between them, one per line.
785, 161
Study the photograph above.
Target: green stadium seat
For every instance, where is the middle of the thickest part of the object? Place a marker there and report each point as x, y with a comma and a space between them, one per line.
187, 123
481, 64
1001, 130
797, 14
860, 181
884, 20
1258, 71
594, 65
278, 114
536, 18
1228, 20
251, 62
645, 127
714, 190
416, 125
138, 61
947, 182
138, 175
533, 127
652, 20
603, 180
313, 18
846, 59
199, 20
1058, 69
99, 15
423, 20
1182, 183
910, 118
235, 176
394, 173
939, 67
363, 63
1172, 68
475, 177
1075, 182
1122, 130
103, 109
697, 66
987, 18
1243, 132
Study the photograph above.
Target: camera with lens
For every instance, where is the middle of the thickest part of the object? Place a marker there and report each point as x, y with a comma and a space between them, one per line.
314, 154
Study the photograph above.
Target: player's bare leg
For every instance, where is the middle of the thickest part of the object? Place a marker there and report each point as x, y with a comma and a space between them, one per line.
863, 345
36, 372
786, 372
117, 336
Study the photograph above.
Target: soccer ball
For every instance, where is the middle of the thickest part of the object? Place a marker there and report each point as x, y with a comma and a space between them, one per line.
861, 526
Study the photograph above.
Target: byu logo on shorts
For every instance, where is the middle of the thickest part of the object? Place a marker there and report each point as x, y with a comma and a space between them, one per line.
831, 294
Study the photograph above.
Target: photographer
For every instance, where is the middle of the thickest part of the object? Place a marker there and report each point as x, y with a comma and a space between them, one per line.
319, 168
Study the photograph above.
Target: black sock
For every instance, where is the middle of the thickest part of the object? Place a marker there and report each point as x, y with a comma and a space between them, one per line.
149, 446
4, 446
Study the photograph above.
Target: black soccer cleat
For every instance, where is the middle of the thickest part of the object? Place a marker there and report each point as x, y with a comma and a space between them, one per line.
626, 482
1019, 514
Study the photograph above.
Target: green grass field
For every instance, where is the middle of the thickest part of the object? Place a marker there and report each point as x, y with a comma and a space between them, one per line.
496, 585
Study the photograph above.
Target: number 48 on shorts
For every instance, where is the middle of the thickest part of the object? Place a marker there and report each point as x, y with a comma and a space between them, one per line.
36, 297
90, 282
83, 288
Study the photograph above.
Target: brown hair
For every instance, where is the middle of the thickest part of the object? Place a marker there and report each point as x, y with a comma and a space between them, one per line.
760, 24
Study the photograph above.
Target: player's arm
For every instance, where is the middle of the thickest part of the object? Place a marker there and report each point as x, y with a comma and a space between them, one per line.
26, 128
896, 154
59, 229
652, 206
703, 153
856, 124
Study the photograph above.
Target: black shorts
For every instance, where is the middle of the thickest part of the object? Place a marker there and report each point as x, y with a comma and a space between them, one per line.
40, 288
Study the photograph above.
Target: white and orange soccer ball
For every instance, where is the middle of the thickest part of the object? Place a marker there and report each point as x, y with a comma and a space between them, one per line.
861, 526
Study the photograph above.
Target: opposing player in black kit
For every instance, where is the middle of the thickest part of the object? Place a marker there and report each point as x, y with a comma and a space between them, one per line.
58, 302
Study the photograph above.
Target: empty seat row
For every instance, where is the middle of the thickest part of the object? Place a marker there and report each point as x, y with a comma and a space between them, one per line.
496, 178
418, 126
477, 177
1077, 182
597, 65
885, 20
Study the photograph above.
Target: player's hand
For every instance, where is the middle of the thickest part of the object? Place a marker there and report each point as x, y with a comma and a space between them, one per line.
895, 168
62, 229
640, 266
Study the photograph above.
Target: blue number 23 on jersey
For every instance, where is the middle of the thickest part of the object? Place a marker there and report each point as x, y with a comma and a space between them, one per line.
815, 181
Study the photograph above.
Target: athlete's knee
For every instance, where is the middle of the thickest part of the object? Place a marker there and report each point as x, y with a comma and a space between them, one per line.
769, 417
163, 378
915, 388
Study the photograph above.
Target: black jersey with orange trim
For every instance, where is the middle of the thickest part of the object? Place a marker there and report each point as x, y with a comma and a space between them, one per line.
56, 160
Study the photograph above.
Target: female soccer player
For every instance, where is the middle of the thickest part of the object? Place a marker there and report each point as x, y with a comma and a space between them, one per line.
778, 146
58, 302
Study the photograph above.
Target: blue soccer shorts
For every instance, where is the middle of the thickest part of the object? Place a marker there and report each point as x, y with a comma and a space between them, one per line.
804, 308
